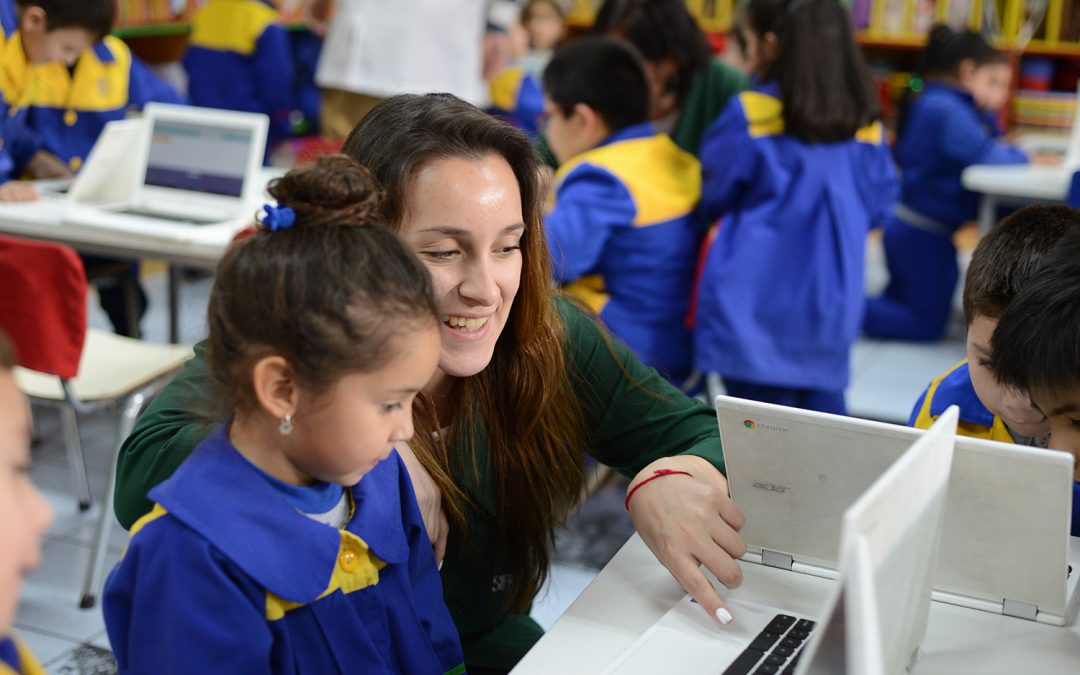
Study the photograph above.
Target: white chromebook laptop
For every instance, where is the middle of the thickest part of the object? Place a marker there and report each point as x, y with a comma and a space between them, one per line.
197, 166
890, 534
109, 172
1006, 546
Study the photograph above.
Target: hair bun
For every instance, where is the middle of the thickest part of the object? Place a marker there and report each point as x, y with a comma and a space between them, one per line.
335, 190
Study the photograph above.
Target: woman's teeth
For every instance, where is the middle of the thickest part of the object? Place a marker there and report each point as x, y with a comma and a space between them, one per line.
468, 325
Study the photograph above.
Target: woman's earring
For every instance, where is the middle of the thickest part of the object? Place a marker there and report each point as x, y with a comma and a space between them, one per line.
285, 428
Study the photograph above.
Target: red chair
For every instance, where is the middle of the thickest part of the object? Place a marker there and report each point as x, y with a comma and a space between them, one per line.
64, 365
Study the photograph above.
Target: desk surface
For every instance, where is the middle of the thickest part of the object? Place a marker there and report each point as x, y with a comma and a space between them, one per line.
633, 591
1021, 181
178, 243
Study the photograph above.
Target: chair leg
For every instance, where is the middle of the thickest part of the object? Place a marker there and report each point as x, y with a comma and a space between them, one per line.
73, 445
95, 571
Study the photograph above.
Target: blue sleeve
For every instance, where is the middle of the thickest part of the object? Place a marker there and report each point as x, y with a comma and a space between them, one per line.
589, 203
24, 144
881, 186
918, 408
144, 86
174, 604
1076, 510
728, 162
275, 77
964, 138
426, 583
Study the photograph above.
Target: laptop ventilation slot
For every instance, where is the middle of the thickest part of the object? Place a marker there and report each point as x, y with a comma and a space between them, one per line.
775, 559
1020, 609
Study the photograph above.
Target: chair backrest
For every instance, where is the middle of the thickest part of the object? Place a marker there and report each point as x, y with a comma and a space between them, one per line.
43, 304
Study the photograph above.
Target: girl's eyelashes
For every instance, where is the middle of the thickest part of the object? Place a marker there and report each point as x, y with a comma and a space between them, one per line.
440, 255
391, 407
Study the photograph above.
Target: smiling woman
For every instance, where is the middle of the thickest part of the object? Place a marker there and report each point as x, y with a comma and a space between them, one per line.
525, 384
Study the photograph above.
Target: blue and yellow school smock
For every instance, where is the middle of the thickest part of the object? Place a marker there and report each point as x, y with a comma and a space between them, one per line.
517, 95
954, 387
224, 574
72, 107
945, 132
18, 86
16, 659
239, 58
626, 231
781, 292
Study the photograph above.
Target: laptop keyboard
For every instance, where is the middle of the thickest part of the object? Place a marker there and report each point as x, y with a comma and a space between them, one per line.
776, 649
191, 220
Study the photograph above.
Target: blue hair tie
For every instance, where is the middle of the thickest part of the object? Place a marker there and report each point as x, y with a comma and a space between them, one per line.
278, 217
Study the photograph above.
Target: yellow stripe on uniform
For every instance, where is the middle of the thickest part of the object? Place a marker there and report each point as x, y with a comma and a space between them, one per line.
590, 290
998, 432
764, 114
95, 86
505, 86
874, 134
231, 25
357, 568
663, 180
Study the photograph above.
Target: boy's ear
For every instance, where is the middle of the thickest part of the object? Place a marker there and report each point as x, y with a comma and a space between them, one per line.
965, 69
276, 390
590, 121
33, 21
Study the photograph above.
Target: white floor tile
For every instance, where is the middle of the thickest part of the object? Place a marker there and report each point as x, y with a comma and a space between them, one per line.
43, 646
50, 598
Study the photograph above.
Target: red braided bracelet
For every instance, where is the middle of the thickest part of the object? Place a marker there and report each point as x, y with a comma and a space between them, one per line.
656, 474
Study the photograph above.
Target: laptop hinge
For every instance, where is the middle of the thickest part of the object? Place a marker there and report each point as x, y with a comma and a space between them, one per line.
1020, 609
775, 559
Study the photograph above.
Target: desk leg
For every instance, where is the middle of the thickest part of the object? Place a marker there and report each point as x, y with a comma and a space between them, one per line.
174, 304
987, 213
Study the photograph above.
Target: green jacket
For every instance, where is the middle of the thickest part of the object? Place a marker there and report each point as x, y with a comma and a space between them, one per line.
632, 425
706, 99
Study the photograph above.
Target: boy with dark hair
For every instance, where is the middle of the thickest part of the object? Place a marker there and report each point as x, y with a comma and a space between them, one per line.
624, 231
1002, 267
46, 31
1036, 348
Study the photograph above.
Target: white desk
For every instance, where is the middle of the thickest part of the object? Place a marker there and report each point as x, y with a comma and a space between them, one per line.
1016, 184
175, 243
634, 591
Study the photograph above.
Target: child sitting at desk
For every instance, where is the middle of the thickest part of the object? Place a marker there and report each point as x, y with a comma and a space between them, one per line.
624, 232
1036, 348
949, 127
1002, 266
290, 540
24, 514
239, 58
49, 31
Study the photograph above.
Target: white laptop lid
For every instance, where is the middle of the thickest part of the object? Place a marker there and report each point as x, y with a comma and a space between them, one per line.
200, 160
987, 538
889, 543
107, 175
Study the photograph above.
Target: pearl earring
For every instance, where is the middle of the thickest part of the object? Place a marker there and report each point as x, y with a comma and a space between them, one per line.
285, 428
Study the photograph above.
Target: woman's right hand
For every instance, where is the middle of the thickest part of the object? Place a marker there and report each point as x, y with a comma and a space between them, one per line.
429, 498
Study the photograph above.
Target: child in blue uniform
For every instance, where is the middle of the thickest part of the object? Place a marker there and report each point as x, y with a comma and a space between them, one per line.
949, 127
624, 231
1034, 348
1001, 267
239, 58
24, 514
72, 105
47, 31
290, 540
799, 171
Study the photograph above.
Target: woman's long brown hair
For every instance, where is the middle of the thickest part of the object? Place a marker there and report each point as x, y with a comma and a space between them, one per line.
528, 413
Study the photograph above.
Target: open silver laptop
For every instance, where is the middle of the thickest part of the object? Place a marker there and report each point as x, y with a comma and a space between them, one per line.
199, 166
895, 527
1006, 547
109, 172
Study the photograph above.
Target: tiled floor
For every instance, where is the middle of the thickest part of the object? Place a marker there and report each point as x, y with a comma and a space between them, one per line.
886, 379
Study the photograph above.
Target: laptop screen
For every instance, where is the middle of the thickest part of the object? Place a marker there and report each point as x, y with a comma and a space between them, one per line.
198, 158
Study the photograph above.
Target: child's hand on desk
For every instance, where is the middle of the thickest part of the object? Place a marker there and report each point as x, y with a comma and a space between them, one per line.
17, 191
44, 164
689, 521
1045, 159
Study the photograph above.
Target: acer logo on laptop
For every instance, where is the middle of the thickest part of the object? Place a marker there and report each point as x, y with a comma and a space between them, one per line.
771, 487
